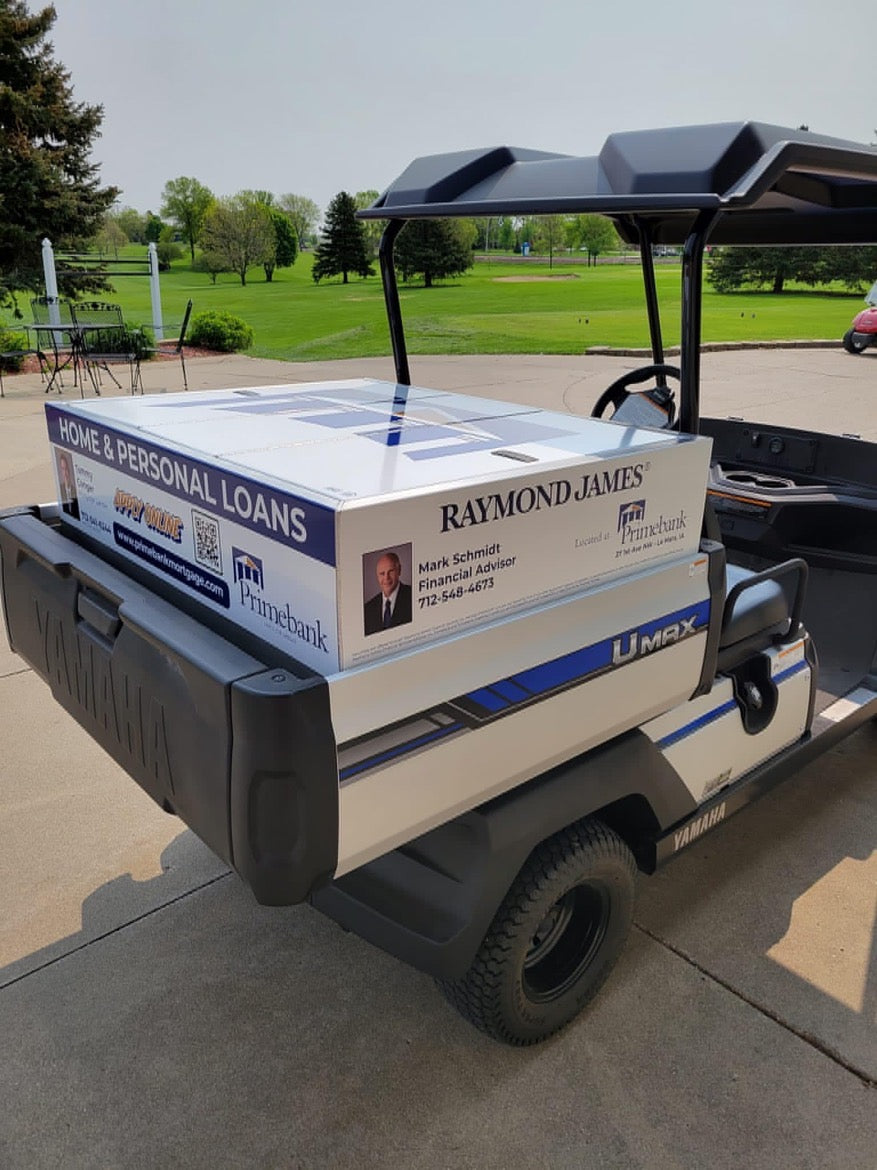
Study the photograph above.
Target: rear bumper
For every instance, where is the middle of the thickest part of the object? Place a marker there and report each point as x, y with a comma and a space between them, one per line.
240, 749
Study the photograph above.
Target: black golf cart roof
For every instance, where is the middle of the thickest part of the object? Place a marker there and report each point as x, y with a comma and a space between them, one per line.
769, 184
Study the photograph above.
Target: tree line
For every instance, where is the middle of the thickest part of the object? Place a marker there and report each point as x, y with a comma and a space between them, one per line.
771, 269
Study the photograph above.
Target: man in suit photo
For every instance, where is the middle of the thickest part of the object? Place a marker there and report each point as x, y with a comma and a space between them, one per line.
392, 605
67, 482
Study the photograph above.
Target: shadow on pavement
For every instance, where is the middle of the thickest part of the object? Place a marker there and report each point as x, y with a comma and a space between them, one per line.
202, 1029
781, 903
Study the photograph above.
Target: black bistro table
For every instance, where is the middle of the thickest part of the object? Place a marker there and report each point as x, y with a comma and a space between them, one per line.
64, 343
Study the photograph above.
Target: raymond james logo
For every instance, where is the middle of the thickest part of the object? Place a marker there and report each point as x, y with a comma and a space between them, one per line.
534, 497
247, 567
631, 513
250, 579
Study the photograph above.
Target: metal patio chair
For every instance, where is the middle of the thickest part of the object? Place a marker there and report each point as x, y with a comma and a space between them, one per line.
104, 341
172, 347
54, 328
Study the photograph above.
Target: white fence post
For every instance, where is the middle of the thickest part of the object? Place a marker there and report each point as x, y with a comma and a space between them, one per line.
155, 293
51, 284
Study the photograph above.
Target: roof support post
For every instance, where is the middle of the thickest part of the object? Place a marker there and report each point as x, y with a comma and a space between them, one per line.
391, 299
648, 265
692, 297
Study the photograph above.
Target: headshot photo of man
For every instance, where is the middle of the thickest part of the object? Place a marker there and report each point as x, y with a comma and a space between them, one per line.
391, 605
67, 483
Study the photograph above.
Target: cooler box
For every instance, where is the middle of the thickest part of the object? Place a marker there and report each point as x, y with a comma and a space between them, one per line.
298, 512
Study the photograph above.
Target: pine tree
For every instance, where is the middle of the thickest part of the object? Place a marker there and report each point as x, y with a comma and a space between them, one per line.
436, 248
343, 246
48, 186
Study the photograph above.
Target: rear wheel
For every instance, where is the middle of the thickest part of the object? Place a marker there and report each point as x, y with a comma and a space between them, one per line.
555, 938
855, 342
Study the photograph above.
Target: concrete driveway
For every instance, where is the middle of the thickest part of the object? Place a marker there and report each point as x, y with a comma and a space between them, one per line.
152, 1015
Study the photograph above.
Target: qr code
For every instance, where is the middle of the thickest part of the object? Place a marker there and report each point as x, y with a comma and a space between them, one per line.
208, 548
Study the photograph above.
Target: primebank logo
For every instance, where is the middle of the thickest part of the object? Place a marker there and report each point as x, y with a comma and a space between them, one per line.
633, 512
247, 567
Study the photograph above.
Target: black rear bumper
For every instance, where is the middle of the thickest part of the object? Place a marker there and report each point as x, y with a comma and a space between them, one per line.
241, 750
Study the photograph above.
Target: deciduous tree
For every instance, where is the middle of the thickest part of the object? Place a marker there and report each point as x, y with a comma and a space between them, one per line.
184, 202
48, 185
548, 233
342, 248
110, 238
285, 243
596, 233
210, 263
304, 215
373, 228
132, 224
238, 229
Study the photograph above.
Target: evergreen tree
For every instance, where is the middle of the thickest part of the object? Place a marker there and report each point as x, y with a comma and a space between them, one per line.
343, 247
48, 186
434, 248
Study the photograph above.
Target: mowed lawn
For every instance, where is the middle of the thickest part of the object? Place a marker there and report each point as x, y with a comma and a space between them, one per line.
565, 309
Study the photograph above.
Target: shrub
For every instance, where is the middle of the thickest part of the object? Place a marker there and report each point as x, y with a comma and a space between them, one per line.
220, 331
129, 339
167, 252
13, 362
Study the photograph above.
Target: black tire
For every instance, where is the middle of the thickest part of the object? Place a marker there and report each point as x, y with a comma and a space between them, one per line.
554, 939
853, 342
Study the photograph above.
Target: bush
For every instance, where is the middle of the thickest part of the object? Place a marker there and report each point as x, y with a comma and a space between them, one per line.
167, 252
220, 331
129, 339
12, 341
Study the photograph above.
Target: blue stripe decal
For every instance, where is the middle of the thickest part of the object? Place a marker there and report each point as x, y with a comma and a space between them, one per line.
488, 699
697, 724
716, 713
402, 749
790, 670
579, 664
511, 690
505, 696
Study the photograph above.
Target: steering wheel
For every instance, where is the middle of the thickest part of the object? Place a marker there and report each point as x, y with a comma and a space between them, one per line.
618, 393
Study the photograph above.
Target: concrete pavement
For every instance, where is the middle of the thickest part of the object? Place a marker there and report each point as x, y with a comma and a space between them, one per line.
152, 1014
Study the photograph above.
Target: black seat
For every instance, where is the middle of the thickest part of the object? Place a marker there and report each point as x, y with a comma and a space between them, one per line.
762, 609
758, 612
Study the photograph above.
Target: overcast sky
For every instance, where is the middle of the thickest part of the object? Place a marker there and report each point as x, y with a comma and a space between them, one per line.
316, 99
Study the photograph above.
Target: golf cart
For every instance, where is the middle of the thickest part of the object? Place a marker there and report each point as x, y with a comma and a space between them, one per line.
863, 331
478, 802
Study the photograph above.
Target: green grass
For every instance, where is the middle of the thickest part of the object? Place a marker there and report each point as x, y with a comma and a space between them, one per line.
296, 320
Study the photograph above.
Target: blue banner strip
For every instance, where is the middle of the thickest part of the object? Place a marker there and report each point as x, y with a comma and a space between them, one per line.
300, 524
167, 562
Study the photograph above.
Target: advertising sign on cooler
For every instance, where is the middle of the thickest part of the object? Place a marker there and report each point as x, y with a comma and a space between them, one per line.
347, 521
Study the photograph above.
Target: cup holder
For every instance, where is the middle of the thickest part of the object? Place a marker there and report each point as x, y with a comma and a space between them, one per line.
754, 479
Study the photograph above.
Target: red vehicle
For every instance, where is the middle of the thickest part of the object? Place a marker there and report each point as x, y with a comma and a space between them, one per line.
863, 331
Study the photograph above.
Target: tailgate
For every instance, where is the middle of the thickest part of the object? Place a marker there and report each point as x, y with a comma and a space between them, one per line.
241, 750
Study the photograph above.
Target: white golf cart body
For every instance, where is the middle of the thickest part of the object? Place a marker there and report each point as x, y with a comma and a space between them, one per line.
402, 794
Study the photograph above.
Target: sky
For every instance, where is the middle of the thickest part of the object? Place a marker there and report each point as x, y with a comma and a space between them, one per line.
286, 97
